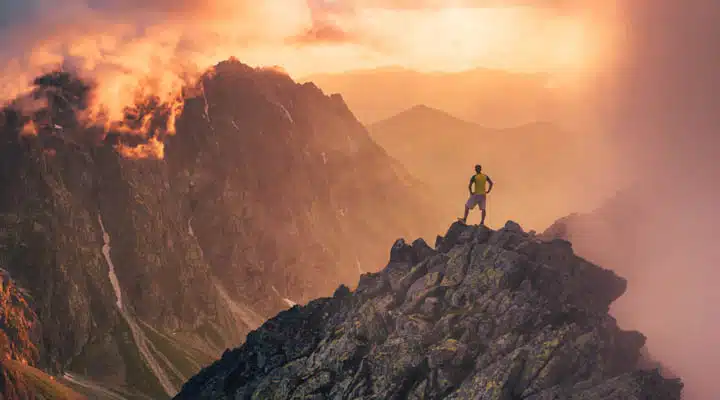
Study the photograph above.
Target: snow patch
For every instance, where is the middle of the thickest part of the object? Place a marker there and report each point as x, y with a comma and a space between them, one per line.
286, 113
287, 301
91, 386
111, 267
359, 268
207, 107
141, 341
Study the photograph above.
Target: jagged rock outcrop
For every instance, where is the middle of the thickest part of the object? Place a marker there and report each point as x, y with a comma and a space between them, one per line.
141, 270
485, 315
17, 323
19, 379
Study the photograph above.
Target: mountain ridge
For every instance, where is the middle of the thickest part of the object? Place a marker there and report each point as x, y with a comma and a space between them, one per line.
492, 97
537, 162
159, 251
423, 112
485, 314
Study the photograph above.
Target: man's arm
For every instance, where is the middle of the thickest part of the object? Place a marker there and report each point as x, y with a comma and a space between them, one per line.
491, 184
472, 180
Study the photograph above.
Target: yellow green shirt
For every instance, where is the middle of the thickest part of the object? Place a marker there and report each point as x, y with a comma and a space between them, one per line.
480, 183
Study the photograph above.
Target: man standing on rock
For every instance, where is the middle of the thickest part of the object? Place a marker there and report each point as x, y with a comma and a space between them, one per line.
478, 195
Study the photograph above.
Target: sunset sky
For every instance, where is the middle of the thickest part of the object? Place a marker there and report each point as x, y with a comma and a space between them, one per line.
655, 90
310, 36
135, 40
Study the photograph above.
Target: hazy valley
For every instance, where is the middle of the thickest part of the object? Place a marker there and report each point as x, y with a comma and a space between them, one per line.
493, 98
542, 172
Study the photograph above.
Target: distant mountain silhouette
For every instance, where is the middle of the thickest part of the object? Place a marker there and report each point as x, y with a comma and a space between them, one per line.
430, 119
533, 164
493, 98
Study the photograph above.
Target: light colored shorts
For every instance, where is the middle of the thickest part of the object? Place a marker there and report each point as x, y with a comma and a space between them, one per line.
476, 200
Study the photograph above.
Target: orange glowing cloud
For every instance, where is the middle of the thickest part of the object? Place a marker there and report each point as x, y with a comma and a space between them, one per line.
156, 49
153, 149
349, 35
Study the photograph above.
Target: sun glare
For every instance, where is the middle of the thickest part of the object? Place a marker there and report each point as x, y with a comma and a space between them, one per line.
452, 39
304, 38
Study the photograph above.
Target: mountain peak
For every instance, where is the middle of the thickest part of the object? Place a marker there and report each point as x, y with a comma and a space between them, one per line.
484, 314
154, 266
428, 118
422, 110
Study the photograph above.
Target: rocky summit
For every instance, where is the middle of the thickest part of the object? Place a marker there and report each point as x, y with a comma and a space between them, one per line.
486, 314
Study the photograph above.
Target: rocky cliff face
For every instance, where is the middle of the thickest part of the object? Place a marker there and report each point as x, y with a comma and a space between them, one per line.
99, 306
140, 270
485, 315
279, 177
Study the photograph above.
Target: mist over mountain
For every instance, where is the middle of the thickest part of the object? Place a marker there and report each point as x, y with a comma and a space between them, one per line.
493, 98
542, 171
659, 106
146, 251
669, 268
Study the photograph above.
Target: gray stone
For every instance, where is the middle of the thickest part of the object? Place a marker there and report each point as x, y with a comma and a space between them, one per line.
506, 318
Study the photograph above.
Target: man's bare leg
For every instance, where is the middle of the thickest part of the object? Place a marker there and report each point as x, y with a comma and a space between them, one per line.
464, 218
484, 213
